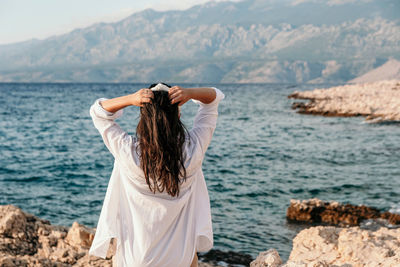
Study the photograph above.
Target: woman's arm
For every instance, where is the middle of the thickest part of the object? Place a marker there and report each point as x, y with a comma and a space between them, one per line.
181, 95
177, 95
136, 99
205, 121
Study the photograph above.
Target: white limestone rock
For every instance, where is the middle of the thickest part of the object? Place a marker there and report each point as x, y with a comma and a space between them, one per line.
269, 258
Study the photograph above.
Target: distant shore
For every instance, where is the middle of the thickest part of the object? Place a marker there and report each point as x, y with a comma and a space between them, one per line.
377, 101
26, 240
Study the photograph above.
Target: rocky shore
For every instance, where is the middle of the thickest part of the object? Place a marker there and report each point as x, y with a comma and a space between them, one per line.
377, 101
26, 240
316, 211
324, 246
367, 237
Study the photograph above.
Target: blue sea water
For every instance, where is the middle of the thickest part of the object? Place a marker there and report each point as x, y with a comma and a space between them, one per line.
54, 164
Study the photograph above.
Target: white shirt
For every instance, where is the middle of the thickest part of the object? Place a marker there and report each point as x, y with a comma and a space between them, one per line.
154, 229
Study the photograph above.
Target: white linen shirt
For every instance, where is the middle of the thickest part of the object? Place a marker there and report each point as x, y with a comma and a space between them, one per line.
154, 229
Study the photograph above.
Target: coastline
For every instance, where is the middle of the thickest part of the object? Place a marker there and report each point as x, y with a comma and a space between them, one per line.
339, 235
332, 158
376, 101
323, 246
362, 238
26, 240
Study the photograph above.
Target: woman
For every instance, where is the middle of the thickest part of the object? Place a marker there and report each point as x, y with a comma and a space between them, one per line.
157, 205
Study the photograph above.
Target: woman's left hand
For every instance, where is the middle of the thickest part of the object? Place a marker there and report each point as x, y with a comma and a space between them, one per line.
179, 95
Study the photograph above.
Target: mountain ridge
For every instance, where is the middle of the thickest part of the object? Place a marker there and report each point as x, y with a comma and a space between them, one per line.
223, 40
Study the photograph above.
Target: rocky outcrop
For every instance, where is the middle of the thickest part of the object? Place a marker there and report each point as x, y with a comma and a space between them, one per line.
318, 211
323, 246
377, 101
26, 240
338, 246
269, 258
333, 246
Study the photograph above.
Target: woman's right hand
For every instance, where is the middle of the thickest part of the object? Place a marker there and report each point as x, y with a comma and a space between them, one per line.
179, 95
142, 96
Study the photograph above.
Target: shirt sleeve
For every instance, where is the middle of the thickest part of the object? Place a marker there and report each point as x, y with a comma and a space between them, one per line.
205, 120
115, 138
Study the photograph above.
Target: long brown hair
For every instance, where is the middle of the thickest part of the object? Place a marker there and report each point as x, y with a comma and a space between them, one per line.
161, 136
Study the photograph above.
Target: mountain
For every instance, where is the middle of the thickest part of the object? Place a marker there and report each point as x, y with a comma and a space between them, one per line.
388, 71
247, 41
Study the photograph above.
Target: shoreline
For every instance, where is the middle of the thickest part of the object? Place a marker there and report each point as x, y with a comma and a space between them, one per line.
355, 235
376, 101
27, 240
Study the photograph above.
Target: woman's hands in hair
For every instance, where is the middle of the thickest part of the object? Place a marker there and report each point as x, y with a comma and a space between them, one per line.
179, 95
141, 97
136, 99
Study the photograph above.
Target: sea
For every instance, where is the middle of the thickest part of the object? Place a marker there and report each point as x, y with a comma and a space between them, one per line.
54, 164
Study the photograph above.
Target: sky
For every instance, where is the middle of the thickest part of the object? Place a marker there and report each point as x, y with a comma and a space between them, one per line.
22, 20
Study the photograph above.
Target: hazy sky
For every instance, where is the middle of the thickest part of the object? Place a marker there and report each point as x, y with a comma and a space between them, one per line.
25, 19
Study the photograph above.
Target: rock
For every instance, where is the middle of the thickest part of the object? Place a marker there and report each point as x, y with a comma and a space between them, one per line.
269, 258
26, 240
17, 232
12, 222
334, 246
334, 213
6, 262
80, 235
372, 245
377, 101
215, 256
316, 244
